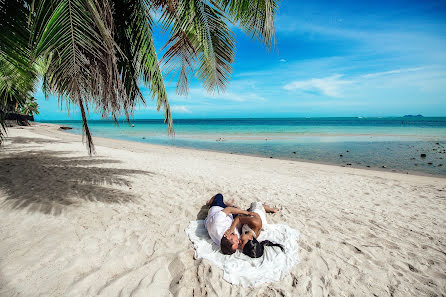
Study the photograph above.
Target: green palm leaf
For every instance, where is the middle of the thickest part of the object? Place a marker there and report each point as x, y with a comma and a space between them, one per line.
199, 33
138, 57
75, 37
255, 17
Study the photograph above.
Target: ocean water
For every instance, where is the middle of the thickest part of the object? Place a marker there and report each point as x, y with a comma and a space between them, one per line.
392, 144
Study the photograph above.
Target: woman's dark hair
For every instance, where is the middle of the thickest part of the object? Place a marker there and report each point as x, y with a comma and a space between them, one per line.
254, 249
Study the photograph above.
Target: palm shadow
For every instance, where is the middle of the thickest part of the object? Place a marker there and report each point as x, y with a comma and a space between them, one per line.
20, 143
32, 140
50, 181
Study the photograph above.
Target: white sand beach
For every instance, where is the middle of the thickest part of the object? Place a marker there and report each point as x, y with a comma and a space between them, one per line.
113, 224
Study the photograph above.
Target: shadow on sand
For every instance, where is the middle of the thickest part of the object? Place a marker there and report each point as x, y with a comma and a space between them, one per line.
203, 212
18, 140
50, 181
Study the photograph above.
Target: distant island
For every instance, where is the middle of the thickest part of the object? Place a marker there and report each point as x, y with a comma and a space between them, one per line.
413, 116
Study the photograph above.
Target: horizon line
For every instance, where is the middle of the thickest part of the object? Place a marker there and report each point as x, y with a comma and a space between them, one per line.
249, 118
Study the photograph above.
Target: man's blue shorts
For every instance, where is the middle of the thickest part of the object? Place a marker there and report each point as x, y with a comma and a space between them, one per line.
218, 201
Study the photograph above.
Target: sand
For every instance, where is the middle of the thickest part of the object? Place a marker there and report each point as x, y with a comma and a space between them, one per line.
113, 224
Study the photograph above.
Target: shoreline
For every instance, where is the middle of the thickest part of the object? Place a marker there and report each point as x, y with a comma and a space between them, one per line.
129, 144
278, 135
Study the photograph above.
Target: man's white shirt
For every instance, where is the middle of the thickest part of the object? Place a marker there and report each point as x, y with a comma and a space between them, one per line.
217, 222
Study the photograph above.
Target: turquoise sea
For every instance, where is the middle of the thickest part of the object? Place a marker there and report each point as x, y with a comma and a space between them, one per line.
392, 143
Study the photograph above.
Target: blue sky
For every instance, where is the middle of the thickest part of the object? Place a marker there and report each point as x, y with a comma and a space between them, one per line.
332, 58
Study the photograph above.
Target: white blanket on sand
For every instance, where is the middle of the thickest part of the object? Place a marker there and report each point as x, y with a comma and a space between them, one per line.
240, 269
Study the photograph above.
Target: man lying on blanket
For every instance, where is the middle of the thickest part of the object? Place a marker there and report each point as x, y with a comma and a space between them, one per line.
219, 220
224, 223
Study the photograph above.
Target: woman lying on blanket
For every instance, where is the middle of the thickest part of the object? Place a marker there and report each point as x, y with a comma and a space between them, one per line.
250, 227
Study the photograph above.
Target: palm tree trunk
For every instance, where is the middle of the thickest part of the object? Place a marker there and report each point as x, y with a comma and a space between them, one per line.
86, 130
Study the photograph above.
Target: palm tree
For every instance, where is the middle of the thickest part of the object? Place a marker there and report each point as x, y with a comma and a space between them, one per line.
98, 52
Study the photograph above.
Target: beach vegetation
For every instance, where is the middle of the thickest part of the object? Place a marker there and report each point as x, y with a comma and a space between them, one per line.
18, 74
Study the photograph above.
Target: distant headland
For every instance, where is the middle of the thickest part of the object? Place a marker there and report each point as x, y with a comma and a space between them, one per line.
413, 116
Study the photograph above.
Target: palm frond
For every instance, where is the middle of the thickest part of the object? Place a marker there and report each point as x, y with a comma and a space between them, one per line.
180, 57
255, 17
138, 57
179, 60
200, 34
92, 61
217, 46
75, 37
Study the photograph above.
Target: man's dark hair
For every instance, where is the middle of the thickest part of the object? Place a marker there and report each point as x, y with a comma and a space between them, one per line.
226, 246
254, 249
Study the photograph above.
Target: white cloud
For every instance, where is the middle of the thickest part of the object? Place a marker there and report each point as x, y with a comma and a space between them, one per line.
180, 109
329, 86
396, 71
282, 60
